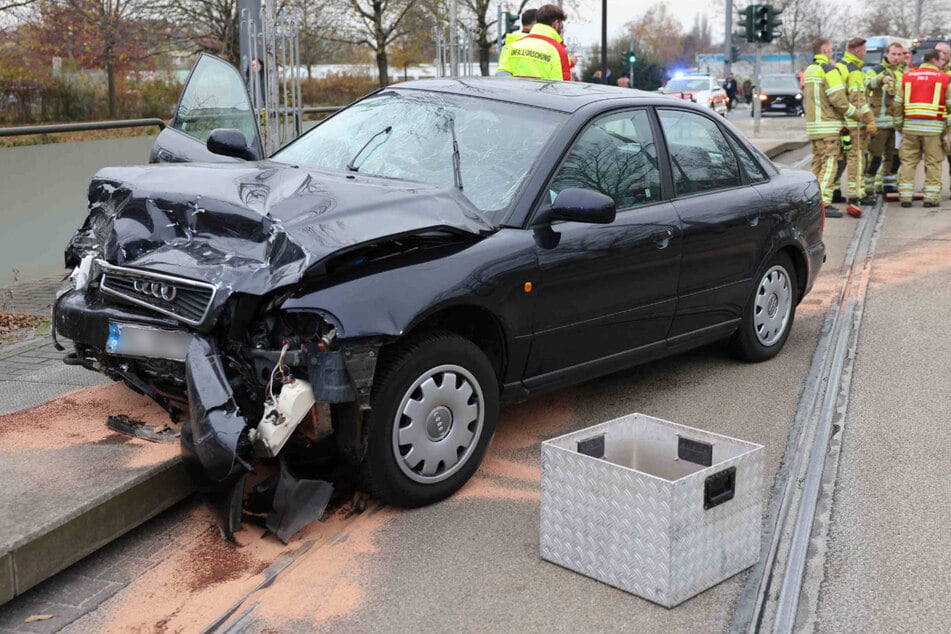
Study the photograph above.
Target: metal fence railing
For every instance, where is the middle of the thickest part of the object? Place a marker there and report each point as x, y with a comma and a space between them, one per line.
123, 123
80, 127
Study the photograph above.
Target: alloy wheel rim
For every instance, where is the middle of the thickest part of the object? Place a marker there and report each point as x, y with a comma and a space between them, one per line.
772, 306
438, 424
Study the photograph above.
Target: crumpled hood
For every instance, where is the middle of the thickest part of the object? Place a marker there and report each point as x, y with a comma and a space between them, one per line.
253, 227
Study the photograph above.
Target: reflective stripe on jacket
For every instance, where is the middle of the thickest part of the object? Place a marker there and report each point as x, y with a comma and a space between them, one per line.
538, 54
850, 67
925, 98
881, 96
824, 99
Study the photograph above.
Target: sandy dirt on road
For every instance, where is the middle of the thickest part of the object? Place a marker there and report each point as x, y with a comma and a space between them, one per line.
79, 418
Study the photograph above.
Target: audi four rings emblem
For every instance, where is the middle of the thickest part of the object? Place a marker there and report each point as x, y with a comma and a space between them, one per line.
159, 290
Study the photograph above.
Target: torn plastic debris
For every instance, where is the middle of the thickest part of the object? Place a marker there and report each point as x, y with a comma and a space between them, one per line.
215, 419
140, 429
293, 503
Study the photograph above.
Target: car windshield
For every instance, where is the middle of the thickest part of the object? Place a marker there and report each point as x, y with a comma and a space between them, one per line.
409, 135
685, 84
781, 83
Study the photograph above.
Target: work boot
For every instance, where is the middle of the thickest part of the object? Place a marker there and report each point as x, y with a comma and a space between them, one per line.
837, 195
870, 199
832, 212
929, 204
906, 204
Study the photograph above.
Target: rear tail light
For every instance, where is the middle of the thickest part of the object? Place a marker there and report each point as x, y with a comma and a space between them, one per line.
822, 225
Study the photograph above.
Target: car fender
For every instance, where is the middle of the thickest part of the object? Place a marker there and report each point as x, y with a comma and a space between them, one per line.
490, 275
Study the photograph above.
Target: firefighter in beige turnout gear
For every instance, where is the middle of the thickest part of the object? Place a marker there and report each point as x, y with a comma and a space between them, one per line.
827, 108
925, 99
861, 127
882, 83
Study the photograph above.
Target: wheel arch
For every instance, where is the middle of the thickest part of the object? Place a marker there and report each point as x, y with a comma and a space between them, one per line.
477, 324
797, 256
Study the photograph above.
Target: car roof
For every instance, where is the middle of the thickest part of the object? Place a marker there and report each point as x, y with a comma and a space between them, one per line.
565, 96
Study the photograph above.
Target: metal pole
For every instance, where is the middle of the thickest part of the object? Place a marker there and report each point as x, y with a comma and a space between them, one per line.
918, 4
757, 109
453, 40
728, 40
630, 64
604, 41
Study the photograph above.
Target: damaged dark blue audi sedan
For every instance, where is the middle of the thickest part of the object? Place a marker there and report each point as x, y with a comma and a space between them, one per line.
371, 293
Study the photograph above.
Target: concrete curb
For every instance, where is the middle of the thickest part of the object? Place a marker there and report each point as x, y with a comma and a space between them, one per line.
773, 151
50, 549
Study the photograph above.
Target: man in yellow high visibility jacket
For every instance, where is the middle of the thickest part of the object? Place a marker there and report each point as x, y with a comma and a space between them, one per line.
528, 21
541, 53
826, 108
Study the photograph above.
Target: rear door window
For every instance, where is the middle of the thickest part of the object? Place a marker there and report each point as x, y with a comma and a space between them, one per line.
700, 155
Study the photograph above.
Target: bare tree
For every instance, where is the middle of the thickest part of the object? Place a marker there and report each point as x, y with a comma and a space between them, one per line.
9, 5
212, 25
107, 32
376, 24
658, 33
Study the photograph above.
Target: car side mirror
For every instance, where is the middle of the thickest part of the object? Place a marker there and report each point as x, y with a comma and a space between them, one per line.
230, 142
583, 205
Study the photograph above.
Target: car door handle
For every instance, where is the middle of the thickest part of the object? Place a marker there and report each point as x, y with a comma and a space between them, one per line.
662, 237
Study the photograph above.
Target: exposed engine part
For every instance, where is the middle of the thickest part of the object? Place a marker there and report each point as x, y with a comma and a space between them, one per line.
282, 414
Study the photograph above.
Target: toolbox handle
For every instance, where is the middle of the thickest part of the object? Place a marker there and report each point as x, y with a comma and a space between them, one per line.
719, 488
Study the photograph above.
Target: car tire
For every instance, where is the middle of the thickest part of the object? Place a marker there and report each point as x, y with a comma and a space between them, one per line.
769, 313
433, 413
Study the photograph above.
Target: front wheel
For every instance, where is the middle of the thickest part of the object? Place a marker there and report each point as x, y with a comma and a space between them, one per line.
433, 412
769, 313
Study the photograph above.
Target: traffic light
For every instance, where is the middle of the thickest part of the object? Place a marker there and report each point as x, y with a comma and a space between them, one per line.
773, 23
746, 24
631, 57
734, 54
511, 21
761, 28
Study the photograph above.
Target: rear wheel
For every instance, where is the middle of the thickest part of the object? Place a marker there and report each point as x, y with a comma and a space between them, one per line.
433, 413
769, 312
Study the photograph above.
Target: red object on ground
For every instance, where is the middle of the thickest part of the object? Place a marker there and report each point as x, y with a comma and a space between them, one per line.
854, 210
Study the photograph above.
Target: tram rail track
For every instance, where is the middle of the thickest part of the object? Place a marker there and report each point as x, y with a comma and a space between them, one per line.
772, 599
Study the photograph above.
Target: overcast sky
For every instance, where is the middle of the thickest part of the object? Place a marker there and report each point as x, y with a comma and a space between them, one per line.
585, 25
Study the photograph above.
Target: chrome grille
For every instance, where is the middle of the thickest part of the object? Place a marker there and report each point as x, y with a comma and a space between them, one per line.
186, 300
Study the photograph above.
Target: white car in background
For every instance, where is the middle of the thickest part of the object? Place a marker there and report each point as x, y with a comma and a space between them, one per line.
703, 90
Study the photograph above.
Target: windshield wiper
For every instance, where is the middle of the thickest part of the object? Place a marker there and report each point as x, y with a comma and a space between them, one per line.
456, 168
352, 164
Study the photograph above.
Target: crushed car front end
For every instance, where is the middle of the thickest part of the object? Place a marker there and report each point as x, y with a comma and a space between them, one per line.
180, 296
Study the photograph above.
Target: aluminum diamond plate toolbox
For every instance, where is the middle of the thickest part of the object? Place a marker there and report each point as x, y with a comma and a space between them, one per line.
654, 508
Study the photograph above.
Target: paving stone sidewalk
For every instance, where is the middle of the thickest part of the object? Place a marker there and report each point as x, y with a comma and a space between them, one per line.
84, 586
21, 359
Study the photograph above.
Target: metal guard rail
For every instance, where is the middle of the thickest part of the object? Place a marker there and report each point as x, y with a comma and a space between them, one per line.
80, 127
124, 123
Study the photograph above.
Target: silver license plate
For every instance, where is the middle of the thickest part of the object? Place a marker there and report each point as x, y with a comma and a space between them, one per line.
133, 340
